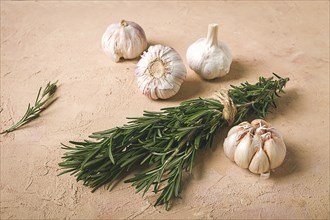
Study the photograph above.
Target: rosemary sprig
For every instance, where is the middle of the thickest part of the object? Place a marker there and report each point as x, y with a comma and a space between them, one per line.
165, 141
43, 100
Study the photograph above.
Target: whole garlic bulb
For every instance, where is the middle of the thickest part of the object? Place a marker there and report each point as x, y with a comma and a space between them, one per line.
209, 57
256, 146
160, 72
125, 39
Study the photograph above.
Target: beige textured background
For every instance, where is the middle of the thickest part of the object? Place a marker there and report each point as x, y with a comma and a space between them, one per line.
46, 41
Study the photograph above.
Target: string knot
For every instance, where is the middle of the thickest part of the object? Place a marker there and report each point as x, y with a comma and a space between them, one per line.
229, 109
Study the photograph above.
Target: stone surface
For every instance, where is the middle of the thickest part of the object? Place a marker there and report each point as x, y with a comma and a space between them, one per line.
44, 41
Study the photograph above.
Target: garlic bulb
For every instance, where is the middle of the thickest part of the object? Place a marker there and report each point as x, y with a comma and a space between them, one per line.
209, 57
256, 146
160, 72
124, 40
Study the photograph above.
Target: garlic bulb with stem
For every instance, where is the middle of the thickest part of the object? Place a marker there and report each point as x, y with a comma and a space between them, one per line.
160, 72
125, 39
209, 57
256, 146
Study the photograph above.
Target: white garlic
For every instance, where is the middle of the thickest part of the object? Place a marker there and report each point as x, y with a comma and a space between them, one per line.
125, 39
160, 72
275, 148
209, 57
259, 162
243, 126
244, 151
256, 146
235, 135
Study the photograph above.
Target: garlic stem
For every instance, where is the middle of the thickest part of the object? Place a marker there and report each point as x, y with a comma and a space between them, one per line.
212, 35
123, 23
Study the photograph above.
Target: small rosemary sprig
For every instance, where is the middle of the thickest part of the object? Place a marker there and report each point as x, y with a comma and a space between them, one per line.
165, 141
43, 100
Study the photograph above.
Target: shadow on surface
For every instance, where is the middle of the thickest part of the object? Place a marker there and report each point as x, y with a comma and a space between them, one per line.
291, 164
238, 70
189, 89
287, 102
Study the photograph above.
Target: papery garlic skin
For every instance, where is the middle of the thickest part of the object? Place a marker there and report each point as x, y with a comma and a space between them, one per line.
209, 57
125, 39
256, 146
160, 72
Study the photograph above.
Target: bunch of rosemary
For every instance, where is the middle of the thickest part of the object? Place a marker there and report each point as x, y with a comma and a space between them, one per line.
165, 141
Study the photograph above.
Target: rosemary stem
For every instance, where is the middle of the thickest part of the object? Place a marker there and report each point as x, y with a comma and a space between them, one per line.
39, 105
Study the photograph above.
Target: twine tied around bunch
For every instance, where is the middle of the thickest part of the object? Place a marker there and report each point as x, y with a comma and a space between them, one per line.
229, 109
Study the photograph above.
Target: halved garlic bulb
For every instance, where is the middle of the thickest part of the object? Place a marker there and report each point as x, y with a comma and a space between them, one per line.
125, 39
256, 146
160, 72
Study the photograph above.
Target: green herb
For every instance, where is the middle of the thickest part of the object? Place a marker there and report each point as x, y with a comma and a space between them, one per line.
43, 100
165, 141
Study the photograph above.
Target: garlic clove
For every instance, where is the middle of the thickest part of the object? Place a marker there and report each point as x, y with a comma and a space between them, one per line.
234, 129
275, 149
260, 123
209, 57
244, 152
125, 39
235, 134
231, 142
160, 72
242, 126
260, 126
259, 163
274, 132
